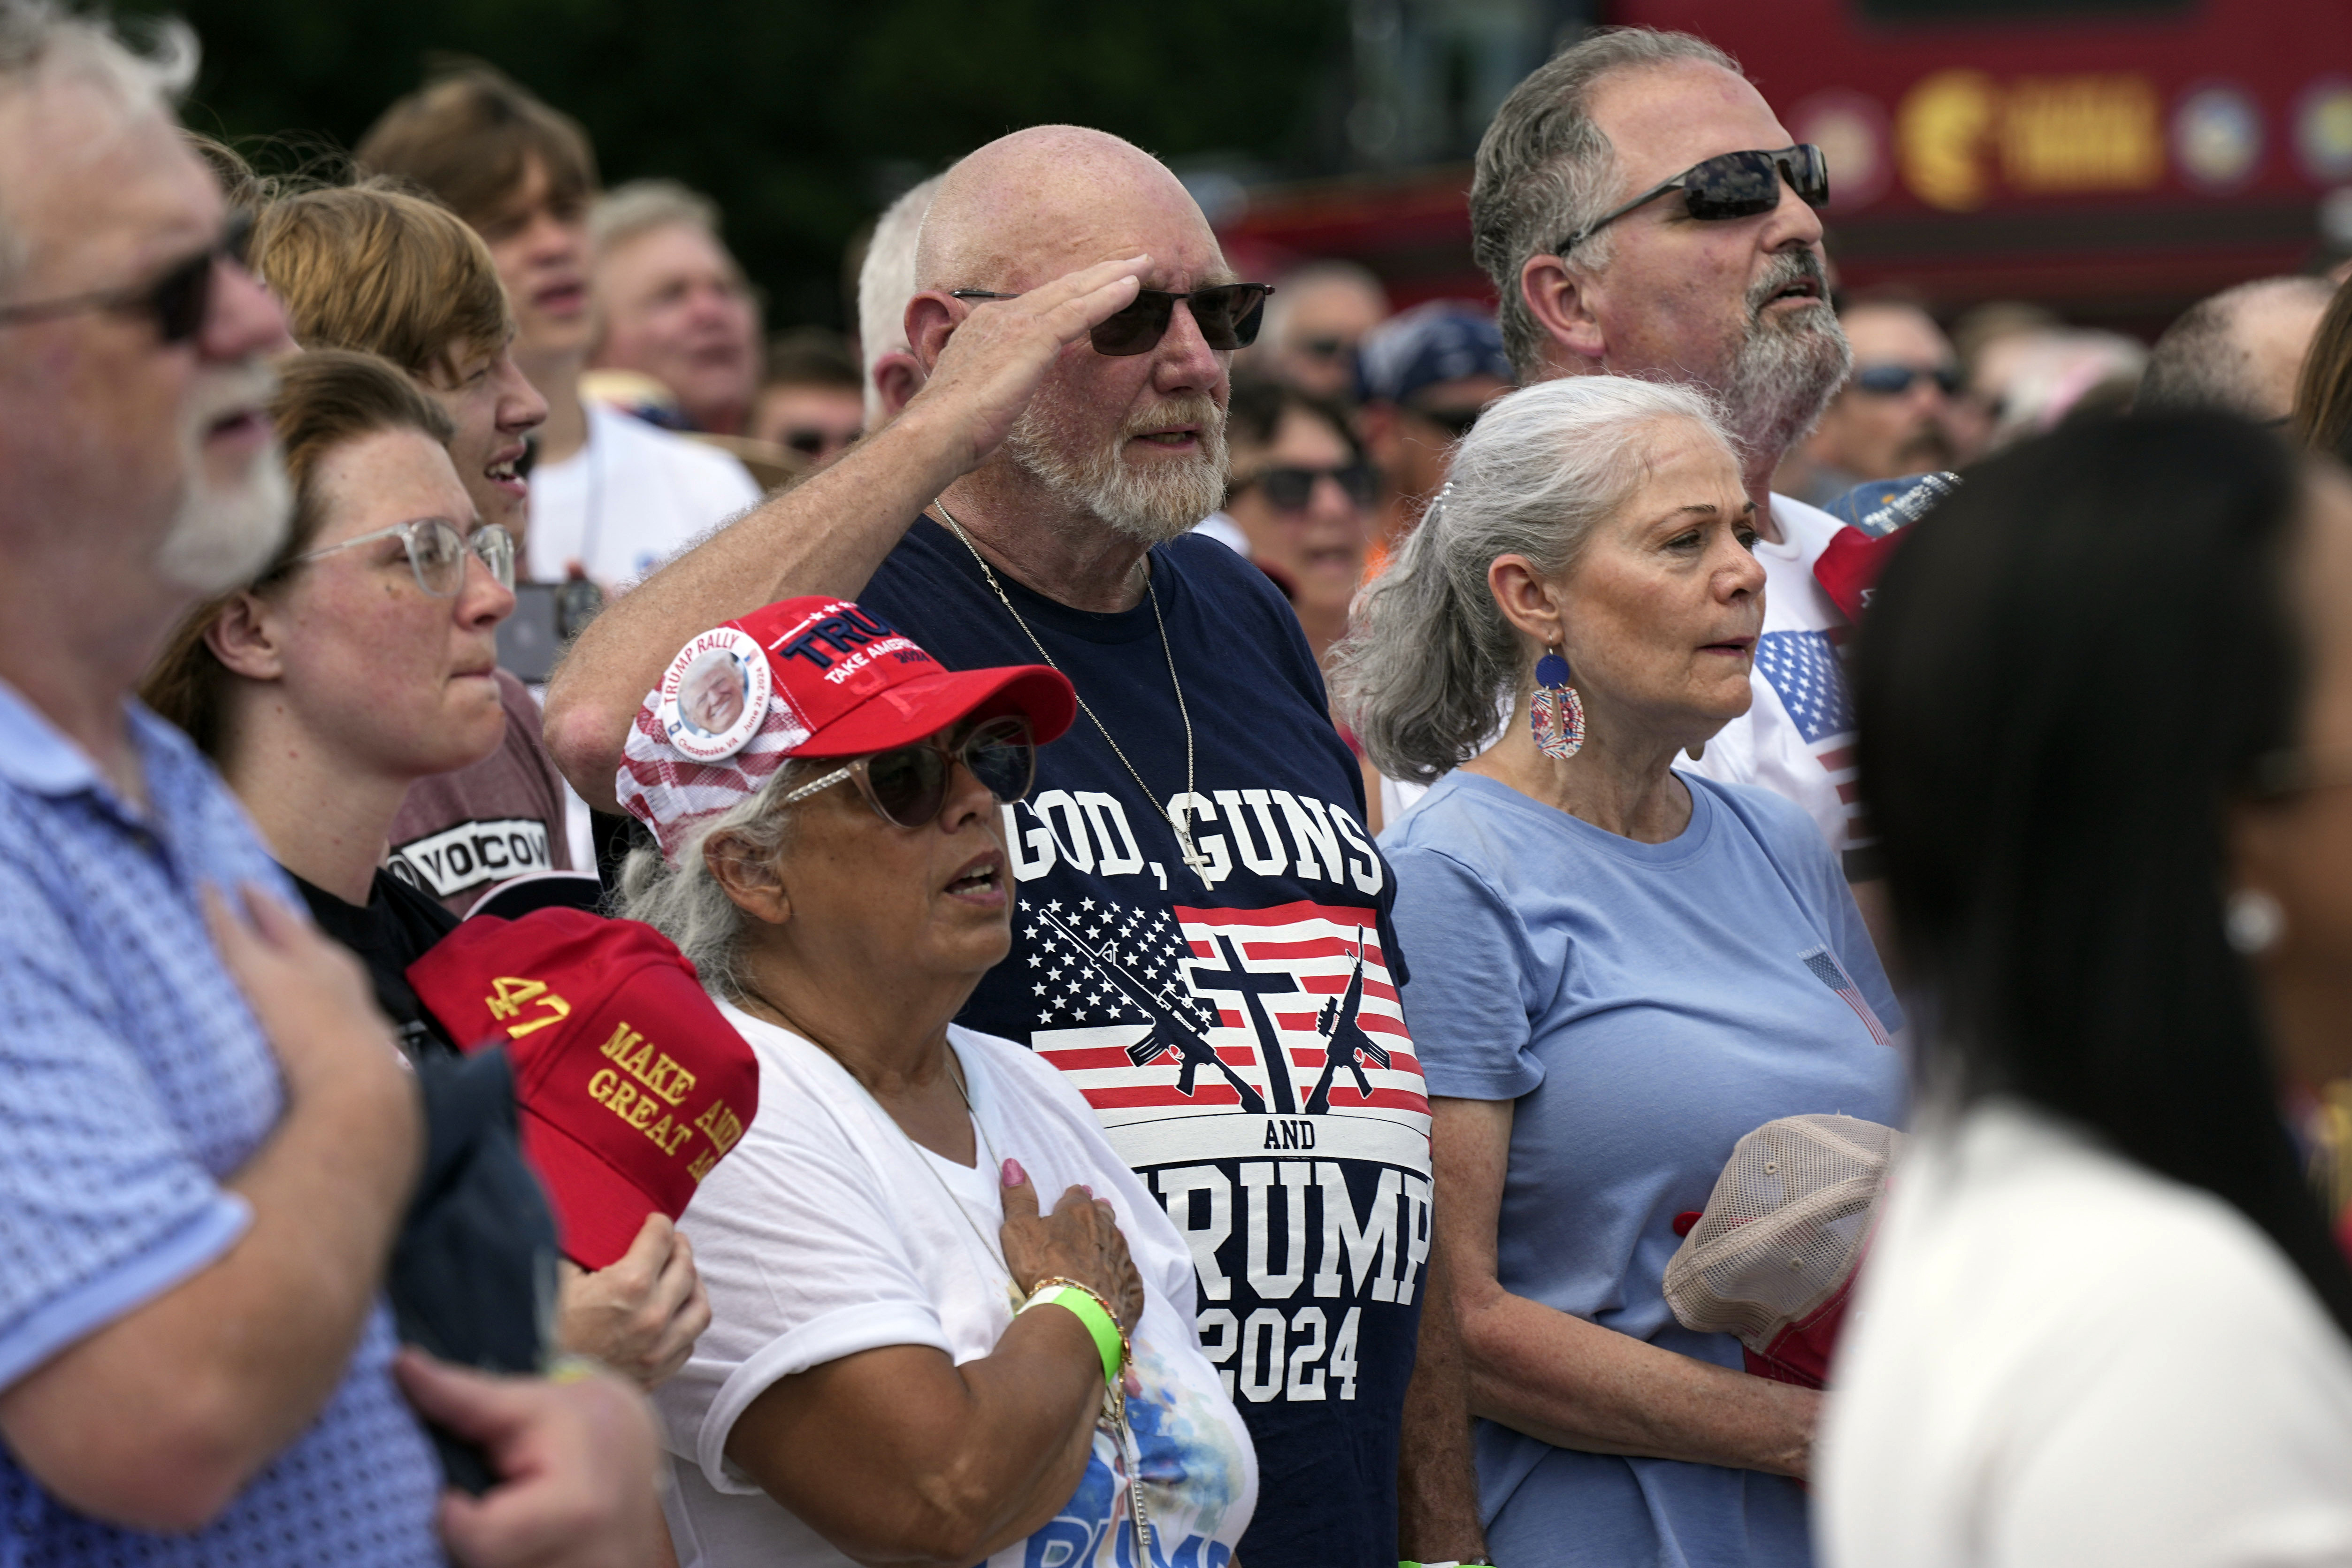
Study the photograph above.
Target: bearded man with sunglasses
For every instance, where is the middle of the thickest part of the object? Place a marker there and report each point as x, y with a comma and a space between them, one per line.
1194, 886
1642, 213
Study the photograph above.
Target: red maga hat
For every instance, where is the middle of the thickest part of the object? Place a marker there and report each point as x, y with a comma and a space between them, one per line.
631, 1083
815, 676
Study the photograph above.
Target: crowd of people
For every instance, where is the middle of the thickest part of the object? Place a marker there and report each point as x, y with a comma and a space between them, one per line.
1145, 917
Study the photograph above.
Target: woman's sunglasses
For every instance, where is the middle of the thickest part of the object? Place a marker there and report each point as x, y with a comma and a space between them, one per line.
907, 784
438, 552
1227, 314
179, 300
1730, 185
1894, 380
1289, 489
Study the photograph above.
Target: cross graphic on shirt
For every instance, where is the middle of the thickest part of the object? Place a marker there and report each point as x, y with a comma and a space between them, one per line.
1252, 983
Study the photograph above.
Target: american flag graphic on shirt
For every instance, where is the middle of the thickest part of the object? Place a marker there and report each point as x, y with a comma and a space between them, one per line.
1286, 1011
1831, 973
1805, 670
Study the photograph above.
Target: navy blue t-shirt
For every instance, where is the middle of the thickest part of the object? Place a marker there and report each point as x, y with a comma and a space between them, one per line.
1236, 1027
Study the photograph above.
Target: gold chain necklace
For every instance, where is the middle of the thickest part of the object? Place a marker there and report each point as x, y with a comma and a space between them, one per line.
1177, 819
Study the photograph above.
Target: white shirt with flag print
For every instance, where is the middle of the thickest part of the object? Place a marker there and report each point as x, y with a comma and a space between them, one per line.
1797, 738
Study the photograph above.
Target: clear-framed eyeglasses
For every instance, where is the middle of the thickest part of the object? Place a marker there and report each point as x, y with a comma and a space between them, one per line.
438, 552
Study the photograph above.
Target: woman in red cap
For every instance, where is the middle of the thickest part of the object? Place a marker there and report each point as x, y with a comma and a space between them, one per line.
359, 662
907, 1361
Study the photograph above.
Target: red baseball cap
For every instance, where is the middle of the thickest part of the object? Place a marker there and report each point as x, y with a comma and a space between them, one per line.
631, 1083
815, 676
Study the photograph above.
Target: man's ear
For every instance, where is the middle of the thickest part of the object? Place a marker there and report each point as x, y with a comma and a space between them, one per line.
930, 320
1562, 302
248, 638
752, 884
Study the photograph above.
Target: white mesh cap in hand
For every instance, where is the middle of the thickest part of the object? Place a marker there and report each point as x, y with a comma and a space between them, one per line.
1783, 1229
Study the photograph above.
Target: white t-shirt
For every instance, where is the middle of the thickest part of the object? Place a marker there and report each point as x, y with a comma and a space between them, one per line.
631, 498
1797, 738
2059, 1359
827, 1231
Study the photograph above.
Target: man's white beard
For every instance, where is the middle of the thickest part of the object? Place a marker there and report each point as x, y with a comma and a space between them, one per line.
1788, 368
1149, 503
224, 535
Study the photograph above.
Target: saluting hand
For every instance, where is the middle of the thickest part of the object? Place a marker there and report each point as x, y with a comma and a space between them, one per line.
990, 360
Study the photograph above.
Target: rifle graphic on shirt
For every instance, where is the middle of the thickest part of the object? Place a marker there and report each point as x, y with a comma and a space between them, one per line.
1344, 1041
1169, 1032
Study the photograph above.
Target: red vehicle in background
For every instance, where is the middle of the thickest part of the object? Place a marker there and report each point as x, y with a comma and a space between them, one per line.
2114, 160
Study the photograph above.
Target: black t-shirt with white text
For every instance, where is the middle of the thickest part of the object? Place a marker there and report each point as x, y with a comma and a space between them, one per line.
1235, 1026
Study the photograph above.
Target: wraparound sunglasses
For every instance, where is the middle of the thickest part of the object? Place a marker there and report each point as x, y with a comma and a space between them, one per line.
1730, 185
1228, 315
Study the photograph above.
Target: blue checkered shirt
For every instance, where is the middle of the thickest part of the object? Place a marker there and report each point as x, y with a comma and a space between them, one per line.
136, 1081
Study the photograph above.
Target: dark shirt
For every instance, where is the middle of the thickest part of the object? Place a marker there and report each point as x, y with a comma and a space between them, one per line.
473, 1271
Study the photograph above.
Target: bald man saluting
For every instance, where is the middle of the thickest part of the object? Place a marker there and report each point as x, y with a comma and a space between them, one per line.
1200, 922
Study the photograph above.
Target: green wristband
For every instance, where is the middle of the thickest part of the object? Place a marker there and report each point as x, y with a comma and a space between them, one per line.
1098, 1321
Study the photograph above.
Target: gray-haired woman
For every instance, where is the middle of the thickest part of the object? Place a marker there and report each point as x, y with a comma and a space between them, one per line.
1619, 968
907, 1361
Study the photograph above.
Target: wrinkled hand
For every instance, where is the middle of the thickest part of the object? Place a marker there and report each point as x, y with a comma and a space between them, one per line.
641, 1315
575, 1465
1079, 1240
1001, 349
313, 1000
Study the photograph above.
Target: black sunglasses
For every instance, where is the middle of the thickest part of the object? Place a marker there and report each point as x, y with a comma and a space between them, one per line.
1730, 185
907, 784
1228, 315
1289, 489
1456, 421
179, 300
1894, 380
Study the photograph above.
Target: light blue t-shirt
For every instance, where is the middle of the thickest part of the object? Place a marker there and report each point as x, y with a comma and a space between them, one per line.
1646, 1006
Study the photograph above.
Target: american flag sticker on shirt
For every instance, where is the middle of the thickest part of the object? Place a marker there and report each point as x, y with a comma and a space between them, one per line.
1831, 973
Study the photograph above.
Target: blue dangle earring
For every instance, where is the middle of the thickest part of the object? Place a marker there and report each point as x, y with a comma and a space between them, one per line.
1557, 714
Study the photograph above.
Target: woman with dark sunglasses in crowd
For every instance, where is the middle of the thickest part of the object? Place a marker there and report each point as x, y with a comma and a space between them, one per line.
1302, 494
950, 1324
2105, 706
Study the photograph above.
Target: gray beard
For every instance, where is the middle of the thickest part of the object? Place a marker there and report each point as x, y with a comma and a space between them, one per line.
223, 537
1150, 506
1782, 379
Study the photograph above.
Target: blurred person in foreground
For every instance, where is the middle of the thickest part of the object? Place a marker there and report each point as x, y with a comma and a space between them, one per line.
1643, 213
2239, 351
2103, 1319
210, 1138
611, 497
2322, 419
812, 398
1315, 320
885, 283
378, 271
1301, 497
1036, 499
2035, 381
1619, 970
358, 662
908, 1362
1898, 413
672, 304
1422, 378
